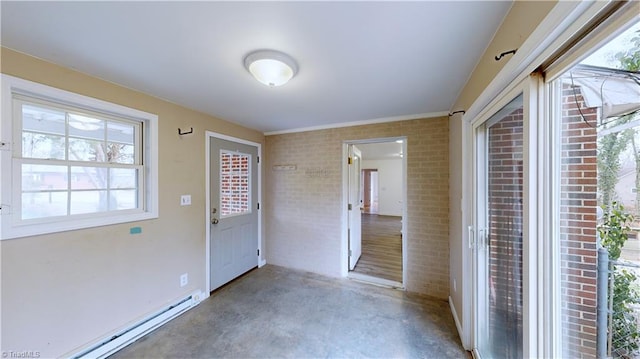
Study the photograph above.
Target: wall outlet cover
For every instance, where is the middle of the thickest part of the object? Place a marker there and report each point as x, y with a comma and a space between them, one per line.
185, 200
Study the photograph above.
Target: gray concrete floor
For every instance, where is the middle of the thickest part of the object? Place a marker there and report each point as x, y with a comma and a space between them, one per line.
273, 312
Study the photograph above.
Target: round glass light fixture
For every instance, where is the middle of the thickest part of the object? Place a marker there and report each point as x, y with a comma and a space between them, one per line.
270, 67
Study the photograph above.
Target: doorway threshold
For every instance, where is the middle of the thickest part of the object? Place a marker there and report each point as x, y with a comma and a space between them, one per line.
381, 282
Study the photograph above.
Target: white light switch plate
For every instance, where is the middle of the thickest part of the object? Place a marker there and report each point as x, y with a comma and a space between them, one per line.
185, 200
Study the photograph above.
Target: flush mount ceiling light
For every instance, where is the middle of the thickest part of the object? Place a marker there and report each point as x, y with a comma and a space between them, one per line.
270, 67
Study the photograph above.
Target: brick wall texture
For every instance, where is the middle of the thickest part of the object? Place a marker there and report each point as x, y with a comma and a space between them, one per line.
578, 204
505, 213
303, 207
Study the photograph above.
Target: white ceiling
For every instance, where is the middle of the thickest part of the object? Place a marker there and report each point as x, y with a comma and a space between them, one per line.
358, 61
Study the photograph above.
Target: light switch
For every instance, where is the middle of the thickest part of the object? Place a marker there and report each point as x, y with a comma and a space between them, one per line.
185, 200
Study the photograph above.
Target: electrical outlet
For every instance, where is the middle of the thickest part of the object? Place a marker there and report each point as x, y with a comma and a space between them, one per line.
184, 279
185, 200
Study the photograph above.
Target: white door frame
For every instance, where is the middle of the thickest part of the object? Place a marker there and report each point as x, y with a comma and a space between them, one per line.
344, 247
214, 135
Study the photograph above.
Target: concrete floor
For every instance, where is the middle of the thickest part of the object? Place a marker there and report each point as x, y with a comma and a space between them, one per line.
273, 312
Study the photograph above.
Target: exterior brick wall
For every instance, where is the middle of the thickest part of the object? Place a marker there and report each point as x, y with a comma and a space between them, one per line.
578, 204
505, 213
303, 207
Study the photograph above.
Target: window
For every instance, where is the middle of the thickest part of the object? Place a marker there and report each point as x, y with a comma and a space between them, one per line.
73, 162
235, 193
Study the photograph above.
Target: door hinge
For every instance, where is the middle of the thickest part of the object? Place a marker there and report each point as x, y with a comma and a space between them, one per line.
258, 252
258, 205
5, 146
258, 157
349, 160
349, 206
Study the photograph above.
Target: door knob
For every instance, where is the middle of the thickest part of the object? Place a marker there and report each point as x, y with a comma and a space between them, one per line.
214, 220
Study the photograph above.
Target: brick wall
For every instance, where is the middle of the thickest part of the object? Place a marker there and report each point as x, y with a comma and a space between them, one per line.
303, 207
234, 183
578, 203
505, 213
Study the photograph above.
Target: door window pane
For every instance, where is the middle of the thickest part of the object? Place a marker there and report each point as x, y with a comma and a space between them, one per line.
235, 192
503, 298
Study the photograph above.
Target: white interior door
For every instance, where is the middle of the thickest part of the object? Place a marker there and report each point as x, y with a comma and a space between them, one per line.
234, 213
355, 206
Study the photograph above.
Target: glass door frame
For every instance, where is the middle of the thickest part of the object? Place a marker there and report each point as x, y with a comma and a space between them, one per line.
530, 89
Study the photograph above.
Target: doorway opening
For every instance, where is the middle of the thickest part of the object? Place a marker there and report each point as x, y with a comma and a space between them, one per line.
374, 187
370, 190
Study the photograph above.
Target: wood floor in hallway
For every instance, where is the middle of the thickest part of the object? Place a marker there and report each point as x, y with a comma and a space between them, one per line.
381, 247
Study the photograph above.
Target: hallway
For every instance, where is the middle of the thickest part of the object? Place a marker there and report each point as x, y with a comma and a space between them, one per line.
381, 247
273, 312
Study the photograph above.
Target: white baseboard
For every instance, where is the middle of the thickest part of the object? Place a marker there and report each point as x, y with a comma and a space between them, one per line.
112, 343
458, 325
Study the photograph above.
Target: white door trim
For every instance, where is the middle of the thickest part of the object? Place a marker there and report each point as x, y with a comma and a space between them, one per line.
344, 247
208, 136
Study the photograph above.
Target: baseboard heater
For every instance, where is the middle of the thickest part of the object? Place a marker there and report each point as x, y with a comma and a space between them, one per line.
112, 344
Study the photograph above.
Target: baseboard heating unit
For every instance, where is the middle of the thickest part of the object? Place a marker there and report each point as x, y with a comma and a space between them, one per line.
112, 344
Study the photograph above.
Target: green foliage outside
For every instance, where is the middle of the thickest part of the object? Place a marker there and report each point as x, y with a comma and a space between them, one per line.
614, 233
630, 58
609, 149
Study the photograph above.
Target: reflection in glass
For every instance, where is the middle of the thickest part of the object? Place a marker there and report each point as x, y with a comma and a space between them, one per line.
123, 178
44, 177
502, 300
44, 204
43, 146
88, 178
123, 199
43, 120
88, 202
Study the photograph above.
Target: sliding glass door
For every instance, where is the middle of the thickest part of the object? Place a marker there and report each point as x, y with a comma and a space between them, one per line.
500, 233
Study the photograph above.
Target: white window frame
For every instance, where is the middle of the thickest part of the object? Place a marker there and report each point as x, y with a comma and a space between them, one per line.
11, 225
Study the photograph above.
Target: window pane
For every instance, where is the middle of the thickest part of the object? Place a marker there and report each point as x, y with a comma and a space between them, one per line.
88, 202
123, 199
123, 178
44, 177
234, 183
119, 153
86, 150
88, 178
44, 204
86, 127
120, 132
46, 146
43, 120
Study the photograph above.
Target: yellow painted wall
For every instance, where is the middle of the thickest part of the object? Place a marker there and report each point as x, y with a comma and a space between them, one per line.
63, 291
